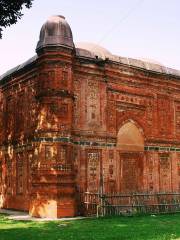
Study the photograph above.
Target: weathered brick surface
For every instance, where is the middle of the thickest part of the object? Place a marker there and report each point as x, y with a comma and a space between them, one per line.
70, 125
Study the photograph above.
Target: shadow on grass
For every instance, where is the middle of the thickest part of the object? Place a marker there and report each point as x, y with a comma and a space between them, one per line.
162, 227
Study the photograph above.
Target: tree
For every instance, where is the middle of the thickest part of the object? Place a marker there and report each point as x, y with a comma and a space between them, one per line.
11, 11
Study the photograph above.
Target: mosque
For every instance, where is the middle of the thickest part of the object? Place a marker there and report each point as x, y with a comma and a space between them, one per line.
76, 118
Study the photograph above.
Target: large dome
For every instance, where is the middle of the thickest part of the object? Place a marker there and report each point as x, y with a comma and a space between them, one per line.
95, 49
55, 32
152, 61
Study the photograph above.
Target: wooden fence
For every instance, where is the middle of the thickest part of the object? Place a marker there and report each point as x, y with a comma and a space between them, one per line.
129, 204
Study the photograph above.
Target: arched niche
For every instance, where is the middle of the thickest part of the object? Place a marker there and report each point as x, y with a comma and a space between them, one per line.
130, 138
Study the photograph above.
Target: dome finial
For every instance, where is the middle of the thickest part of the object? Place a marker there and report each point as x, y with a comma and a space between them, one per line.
61, 16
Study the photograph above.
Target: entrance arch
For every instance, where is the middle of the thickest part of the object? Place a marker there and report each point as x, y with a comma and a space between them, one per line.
130, 138
130, 144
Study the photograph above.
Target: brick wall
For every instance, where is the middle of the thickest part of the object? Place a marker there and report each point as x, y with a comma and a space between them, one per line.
60, 122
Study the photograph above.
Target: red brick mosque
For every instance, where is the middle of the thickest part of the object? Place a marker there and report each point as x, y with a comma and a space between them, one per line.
76, 118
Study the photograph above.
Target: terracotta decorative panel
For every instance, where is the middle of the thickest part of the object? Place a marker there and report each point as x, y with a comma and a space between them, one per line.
62, 158
20, 113
77, 102
177, 118
9, 117
93, 103
131, 172
111, 155
93, 170
111, 169
178, 164
31, 105
111, 117
150, 162
49, 153
1, 178
46, 80
165, 172
164, 115
124, 105
19, 174
64, 81
8, 176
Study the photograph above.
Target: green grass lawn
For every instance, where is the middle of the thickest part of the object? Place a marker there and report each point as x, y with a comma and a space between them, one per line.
161, 227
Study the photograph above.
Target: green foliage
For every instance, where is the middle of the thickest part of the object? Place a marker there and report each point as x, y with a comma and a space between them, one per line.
160, 227
10, 12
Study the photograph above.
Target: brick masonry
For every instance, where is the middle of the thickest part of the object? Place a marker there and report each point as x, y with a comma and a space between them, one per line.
67, 122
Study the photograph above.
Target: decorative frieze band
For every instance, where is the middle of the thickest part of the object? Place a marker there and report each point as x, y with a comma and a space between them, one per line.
160, 148
90, 144
70, 140
104, 144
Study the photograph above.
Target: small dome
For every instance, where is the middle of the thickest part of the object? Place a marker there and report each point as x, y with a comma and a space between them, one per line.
95, 49
55, 32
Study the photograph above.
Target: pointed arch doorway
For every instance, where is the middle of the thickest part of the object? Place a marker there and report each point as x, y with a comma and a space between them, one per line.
130, 145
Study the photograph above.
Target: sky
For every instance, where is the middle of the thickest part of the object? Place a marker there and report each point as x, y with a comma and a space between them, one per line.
130, 28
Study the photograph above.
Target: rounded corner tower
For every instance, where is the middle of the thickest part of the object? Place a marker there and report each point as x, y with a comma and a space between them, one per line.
55, 32
54, 95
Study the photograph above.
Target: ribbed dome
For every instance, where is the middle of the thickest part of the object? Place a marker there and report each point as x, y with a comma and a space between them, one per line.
55, 32
94, 48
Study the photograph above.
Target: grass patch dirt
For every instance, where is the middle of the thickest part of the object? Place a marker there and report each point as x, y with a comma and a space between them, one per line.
160, 227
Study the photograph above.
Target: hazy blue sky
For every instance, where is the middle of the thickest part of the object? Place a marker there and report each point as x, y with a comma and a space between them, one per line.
134, 28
